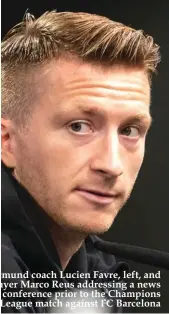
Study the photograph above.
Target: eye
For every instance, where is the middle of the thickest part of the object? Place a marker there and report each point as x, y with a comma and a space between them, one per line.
80, 127
130, 131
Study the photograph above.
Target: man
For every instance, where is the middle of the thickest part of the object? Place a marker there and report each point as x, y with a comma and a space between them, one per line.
75, 114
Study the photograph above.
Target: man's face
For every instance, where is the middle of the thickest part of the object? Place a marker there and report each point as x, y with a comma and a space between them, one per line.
84, 145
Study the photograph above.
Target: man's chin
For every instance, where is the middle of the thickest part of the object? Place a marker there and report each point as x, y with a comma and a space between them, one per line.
86, 222
89, 228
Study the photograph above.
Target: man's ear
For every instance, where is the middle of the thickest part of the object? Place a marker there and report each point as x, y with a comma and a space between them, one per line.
7, 141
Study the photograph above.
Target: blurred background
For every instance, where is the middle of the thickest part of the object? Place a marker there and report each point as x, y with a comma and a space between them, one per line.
144, 221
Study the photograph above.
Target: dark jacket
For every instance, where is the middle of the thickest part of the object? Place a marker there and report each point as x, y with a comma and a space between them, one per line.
27, 248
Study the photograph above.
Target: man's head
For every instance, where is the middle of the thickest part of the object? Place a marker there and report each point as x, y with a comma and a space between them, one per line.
75, 109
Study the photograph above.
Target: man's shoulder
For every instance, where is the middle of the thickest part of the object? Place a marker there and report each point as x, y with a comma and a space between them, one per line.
11, 262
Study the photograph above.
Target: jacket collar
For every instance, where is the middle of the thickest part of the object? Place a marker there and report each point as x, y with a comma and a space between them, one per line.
25, 222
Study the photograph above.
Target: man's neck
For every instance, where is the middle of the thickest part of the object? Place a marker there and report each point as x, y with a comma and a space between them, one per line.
66, 242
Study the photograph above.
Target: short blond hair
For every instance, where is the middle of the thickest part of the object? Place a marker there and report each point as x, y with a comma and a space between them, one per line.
90, 37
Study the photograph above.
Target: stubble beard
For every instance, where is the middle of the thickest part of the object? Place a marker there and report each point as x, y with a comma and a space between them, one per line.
33, 179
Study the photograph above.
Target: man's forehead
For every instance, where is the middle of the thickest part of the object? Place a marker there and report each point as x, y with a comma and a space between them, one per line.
72, 75
69, 69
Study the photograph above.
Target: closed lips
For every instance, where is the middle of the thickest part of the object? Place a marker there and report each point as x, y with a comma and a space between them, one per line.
96, 192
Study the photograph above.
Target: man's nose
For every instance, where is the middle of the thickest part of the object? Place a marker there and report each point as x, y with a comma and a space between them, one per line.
107, 157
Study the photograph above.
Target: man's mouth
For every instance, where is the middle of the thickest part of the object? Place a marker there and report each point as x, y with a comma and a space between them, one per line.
97, 196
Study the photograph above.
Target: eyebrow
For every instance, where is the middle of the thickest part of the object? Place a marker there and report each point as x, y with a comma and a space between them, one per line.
90, 110
136, 118
139, 118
